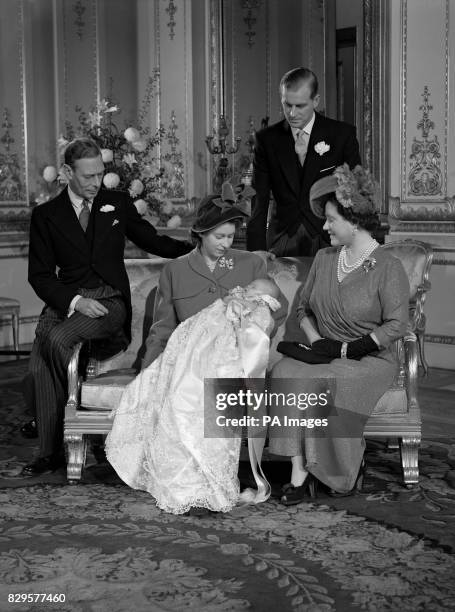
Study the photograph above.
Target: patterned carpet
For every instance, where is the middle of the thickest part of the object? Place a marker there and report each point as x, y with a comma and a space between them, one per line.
106, 547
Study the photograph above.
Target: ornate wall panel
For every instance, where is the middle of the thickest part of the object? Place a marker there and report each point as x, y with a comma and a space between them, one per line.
76, 56
422, 203
13, 118
424, 121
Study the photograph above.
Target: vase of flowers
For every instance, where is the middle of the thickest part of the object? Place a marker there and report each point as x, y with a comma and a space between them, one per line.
130, 159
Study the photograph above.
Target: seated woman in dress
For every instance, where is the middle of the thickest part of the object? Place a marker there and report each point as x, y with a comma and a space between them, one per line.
354, 304
187, 285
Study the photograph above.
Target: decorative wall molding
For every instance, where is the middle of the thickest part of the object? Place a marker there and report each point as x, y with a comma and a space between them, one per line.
79, 10
250, 18
425, 177
435, 184
175, 188
403, 91
11, 186
422, 211
171, 10
376, 141
14, 183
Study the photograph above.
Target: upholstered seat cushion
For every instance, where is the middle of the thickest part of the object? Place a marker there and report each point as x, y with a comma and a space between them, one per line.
104, 391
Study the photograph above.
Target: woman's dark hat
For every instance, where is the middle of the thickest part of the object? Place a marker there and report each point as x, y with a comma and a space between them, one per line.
216, 209
354, 189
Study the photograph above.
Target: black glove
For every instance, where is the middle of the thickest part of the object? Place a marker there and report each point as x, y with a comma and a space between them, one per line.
361, 347
327, 347
301, 352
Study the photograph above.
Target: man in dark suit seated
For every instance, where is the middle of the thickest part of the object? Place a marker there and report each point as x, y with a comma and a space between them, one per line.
289, 157
76, 266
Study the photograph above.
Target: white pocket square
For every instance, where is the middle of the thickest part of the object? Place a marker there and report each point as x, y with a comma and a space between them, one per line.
107, 208
114, 222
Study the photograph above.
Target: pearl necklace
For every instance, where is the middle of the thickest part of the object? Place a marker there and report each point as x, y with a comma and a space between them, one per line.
343, 268
211, 264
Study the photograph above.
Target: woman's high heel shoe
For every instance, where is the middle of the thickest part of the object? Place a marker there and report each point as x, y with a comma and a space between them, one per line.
358, 485
293, 495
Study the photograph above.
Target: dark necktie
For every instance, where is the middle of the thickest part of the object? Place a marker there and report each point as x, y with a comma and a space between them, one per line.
301, 145
84, 215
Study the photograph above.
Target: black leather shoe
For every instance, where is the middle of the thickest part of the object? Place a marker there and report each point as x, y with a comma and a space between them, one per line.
29, 430
43, 465
293, 495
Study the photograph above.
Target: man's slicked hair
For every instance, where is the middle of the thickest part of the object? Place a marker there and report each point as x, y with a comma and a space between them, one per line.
81, 148
296, 77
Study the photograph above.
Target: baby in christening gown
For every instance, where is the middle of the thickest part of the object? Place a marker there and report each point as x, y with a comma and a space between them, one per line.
157, 441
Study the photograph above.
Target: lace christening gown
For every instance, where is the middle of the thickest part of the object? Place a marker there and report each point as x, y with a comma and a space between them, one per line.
157, 441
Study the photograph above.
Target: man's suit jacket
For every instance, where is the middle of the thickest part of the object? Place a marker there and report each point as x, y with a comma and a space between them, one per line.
277, 170
57, 241
186, 286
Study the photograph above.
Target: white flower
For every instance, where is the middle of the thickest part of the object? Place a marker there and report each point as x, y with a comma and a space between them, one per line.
139, 145
94, 118
114, 222
129, 159
107, 208
136, 188
131, 134
141, 206
111, 180
167, 207
49, 174
174, 222
321, 147
107, 155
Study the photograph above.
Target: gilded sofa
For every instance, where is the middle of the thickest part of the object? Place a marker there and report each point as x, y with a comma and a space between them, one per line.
93, 395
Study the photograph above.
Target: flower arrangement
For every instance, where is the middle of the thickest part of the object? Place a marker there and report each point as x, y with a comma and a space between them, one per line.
129, 156
356, 189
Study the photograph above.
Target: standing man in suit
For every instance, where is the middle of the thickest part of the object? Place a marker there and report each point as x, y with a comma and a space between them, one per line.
81, 233
289, 157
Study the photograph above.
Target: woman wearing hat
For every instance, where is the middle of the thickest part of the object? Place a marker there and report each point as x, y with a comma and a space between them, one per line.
190, 283
354, 304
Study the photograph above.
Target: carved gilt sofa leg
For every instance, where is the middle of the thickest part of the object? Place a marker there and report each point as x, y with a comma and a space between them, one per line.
76, 449
409, 447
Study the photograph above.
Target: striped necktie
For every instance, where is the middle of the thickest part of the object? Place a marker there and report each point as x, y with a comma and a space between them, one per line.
301, 145
84, 215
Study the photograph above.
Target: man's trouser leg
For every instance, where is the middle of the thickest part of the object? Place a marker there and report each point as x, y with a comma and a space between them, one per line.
55, 339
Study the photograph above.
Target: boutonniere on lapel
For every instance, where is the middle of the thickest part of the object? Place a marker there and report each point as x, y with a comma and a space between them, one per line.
369, 264
107, 208
321, 147
114, 222
223, 262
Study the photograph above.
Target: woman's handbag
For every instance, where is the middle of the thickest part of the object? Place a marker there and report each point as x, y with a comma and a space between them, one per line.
301, 352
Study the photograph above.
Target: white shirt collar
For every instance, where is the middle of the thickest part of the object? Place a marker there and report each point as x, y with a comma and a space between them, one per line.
76, 200
307, 129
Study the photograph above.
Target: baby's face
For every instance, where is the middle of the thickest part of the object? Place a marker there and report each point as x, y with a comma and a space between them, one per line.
259, 287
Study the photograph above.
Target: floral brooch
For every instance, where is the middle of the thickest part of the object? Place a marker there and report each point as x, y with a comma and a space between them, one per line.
369, 264
226, 263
